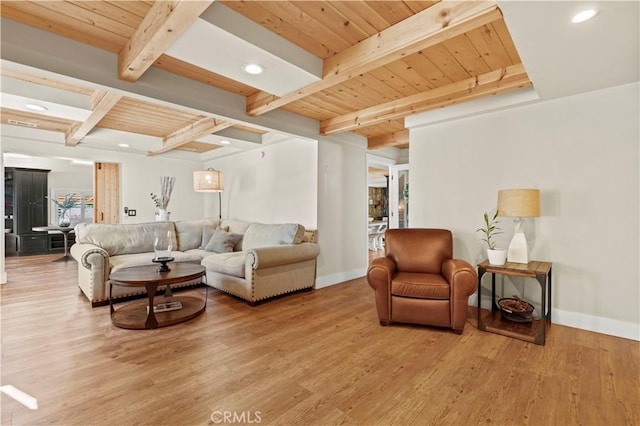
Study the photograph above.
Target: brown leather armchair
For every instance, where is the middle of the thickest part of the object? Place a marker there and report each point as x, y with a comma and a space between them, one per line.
418, 282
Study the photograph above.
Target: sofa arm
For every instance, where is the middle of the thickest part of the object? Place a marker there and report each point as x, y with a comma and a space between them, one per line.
90, 255
93, 270
267, 257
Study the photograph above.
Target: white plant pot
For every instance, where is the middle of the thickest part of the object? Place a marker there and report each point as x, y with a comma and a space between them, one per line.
497, 257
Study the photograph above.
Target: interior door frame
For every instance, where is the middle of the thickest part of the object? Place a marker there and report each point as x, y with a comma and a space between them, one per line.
394, 193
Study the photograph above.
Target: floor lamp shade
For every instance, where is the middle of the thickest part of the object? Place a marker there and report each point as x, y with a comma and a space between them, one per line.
208, 181
518, 203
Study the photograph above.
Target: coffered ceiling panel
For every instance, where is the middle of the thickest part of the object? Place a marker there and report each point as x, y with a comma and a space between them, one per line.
382, 60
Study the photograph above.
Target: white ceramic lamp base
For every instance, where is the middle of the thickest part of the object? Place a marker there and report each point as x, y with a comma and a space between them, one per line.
518, 251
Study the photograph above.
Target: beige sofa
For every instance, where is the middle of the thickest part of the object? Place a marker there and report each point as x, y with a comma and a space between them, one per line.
267, 259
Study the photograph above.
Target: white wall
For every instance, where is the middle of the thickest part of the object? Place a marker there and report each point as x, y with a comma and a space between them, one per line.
139, 176
342, 209
583, 154
274, 184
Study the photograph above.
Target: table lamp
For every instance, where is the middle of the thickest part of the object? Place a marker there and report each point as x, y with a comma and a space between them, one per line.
518, 203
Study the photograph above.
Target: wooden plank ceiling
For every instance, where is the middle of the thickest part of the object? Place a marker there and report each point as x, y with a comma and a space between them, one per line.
382, 60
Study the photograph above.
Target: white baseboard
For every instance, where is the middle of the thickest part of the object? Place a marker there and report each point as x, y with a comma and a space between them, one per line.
3, 278
612, 327
339, 278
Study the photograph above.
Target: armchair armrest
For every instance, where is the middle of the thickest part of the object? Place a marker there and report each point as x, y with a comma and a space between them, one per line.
462, 279
460, 275
267, 257
380, 272
379, 276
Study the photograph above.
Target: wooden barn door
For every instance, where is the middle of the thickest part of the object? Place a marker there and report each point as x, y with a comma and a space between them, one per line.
106, 182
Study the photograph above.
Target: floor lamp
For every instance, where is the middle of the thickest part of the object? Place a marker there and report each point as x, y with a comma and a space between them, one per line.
209, 180
518, 203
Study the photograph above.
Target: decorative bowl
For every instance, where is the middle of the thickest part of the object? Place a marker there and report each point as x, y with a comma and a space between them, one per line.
515, 309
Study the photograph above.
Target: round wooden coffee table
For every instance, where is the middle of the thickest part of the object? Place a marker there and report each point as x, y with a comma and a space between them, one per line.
139, 315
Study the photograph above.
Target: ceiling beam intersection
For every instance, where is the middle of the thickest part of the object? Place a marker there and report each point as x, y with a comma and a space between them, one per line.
190, 133
165, 22
103, 102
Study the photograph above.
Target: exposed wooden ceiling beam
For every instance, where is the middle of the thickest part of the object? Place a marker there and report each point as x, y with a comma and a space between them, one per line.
191, 132
399, 138
165, 22
427, 28
103, 102
44, 81
493, 82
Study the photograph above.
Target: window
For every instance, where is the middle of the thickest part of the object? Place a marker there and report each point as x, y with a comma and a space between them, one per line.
82, 211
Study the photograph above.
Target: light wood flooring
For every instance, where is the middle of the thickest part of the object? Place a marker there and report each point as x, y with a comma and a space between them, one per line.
314, 358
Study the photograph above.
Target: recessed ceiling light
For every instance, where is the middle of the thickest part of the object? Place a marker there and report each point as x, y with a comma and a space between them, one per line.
584, 16
225, 142
253, 69
123, 145
36, 107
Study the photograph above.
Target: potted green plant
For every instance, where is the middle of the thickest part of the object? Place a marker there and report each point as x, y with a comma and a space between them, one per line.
497, 256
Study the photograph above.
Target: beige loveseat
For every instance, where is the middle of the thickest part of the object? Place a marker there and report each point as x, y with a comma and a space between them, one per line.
266, 259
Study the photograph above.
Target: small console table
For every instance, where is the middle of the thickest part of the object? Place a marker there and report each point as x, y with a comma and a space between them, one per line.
65, 234
534, 331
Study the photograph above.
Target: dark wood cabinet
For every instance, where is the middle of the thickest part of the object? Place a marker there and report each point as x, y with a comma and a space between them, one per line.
28, 189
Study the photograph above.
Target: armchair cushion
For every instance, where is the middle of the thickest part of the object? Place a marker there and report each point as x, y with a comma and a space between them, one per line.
420, 286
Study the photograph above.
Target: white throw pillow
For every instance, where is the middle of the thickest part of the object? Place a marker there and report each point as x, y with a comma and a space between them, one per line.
222, 241
268, 235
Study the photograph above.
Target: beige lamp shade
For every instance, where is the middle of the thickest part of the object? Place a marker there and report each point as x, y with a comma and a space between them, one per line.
208, 181
519, 202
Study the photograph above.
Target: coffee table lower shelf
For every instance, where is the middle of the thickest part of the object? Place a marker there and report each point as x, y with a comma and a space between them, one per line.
527, 331
134, 315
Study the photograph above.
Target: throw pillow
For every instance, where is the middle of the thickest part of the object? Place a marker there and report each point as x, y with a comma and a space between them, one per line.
222, 241
267, 235
207, 232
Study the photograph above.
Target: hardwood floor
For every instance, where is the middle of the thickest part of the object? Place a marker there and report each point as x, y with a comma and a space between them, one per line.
312, 358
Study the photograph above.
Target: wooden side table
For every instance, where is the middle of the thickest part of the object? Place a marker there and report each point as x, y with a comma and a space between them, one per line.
534, 331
